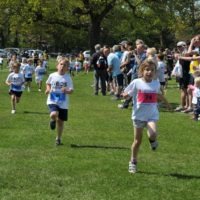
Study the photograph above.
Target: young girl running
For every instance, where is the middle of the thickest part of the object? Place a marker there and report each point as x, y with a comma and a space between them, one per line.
28, 71
145, 91
58, 87
40, 71
15, 80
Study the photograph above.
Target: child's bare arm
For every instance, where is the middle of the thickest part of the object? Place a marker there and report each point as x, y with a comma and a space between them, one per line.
161, 98
125, 95
67, 90
48, 88
8, 83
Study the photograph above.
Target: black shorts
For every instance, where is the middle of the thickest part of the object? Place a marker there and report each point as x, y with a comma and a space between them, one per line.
184, 82
120, 80
28, 79
16, 93
62, 113
191, 82
162, 83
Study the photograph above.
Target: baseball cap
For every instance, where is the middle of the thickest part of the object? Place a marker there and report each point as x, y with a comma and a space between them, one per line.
123, 42
181, 44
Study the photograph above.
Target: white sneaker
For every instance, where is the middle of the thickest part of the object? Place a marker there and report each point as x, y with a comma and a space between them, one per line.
39, 90
154, 145
28, 89
120, 106
13, 111
132, 168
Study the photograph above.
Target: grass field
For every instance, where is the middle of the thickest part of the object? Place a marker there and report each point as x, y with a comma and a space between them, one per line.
33, 168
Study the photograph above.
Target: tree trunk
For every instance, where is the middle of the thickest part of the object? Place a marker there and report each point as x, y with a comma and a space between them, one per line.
94, 34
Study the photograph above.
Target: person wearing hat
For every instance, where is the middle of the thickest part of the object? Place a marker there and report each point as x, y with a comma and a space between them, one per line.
185, 79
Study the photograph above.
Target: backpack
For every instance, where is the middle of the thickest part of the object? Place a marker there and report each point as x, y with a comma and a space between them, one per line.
101, 63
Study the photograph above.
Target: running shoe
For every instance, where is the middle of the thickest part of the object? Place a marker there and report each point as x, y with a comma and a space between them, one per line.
132, 168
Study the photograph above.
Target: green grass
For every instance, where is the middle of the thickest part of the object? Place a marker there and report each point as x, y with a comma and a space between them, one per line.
33, 168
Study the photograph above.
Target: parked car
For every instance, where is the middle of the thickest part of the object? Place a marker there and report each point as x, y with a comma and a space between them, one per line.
31, 52
86, 54
12, 50
3, 53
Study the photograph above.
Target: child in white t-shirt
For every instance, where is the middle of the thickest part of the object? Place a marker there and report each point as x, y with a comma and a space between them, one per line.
196, 98
58, 87
161, 69
145, 92
28, 71
86, 65
40, 71
15, 80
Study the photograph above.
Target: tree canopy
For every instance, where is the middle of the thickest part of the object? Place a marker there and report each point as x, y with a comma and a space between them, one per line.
66, 25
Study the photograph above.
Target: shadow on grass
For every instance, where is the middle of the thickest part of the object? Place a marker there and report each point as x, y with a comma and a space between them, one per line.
176, 175
37, 113
163, 108
97, 146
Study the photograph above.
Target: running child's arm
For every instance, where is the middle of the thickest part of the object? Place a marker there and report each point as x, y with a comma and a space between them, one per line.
48, 88
161, 98
125, 95
67, 90
8, 83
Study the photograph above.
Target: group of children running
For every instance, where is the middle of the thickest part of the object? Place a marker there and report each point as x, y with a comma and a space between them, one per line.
58, 86
145, 90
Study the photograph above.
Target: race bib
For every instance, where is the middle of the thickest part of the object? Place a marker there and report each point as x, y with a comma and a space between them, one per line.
28, 75
147, 97
16, 87
57, 97
41, 73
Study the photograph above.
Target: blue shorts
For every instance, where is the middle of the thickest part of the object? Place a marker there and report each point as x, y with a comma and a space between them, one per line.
62, 113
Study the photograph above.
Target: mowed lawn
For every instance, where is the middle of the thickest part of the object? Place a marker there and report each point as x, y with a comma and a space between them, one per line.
93, 162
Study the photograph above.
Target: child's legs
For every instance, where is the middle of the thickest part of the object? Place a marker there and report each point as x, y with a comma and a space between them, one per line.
17, 99
13, 102
60, 127
152, 130
40, 84
54, 115
189, 91
136, 143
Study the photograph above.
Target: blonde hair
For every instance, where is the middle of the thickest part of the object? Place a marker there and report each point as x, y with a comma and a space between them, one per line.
16, 65
151, 51
197, 80
146, 63
65, 60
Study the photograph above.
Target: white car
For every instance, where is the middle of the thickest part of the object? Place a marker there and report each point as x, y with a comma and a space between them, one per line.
86, 54
31, 52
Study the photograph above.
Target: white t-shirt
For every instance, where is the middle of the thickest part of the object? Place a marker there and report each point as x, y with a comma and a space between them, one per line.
124, 56
16, 80
40, 72
161, 68
28, 71
144, 99
196, 95
56, 95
